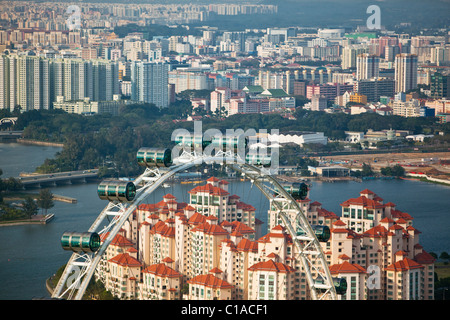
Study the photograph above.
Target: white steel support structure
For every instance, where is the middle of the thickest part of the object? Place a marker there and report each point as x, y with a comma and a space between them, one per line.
309, 250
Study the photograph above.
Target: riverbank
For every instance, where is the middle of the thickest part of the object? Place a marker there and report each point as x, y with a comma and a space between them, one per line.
39, 143
23, 195
36, 219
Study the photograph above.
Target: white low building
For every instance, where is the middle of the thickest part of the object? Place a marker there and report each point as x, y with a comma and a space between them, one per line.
88, 107
299, 138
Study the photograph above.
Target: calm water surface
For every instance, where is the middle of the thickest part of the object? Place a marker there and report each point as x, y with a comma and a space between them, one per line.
30, 254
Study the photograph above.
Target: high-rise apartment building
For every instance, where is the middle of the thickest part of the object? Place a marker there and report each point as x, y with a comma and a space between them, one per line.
35, 83
440, 85
24, 82
367, 66
350, 53
149, 83
405, 72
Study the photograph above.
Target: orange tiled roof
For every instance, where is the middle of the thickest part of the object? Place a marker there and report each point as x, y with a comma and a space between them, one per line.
270, 265
212, 229
398, 214
327, 214
211, 281
120, 241
363, 201
247, 245
241, 227
124, 259
346, 267
403, 265
367, 191
209, 188
197, 218
376, 232
161, 270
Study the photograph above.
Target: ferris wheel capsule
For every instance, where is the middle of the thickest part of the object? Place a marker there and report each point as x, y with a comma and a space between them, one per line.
154, 157
298, 190
258, 160
116, 190
322, 232
87, 242
191, 141
340, 284
231, 142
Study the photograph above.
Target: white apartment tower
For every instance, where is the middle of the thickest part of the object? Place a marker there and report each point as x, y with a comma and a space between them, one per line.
405, 72
24, 82
149, 83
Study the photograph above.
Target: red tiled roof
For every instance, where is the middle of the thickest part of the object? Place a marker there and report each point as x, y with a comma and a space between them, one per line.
162, 270
363, 201
270, 265
247, 245
211, 281
376, 232
346, 267
120, 241
241, 227
367, 191
327, 214
163, 229
212, 229
197, 218
209, 188
124, 259
403, 265
398, 214
424, 258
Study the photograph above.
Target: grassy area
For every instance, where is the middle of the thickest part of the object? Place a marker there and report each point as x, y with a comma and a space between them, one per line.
13, 196
442, 270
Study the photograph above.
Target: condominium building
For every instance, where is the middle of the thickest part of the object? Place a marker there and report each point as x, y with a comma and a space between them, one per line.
24, 82
405, 72
367, 66
149, 83
169, 245
36, 83
350, 54
188, 80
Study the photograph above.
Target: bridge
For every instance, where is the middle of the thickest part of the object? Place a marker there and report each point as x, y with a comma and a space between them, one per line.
59, 178
6, 136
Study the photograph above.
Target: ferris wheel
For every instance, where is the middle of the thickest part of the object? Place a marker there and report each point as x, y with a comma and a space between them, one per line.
124, 197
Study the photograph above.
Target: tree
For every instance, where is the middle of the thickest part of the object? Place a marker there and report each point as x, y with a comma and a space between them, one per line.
30, 207
45, 199
366, 170
398, 171
444, 256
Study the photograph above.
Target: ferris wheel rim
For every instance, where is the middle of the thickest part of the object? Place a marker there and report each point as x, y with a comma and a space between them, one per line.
229, 160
